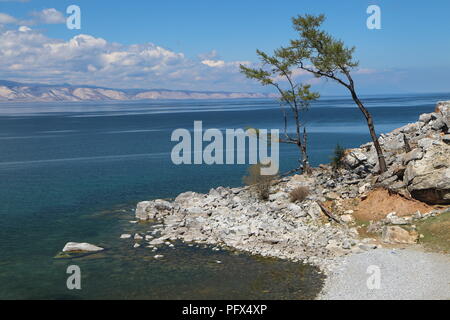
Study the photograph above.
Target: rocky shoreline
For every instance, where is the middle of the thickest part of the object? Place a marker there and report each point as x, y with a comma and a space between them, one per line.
419, 175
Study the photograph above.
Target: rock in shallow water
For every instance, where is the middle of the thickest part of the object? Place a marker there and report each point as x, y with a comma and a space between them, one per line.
83, 246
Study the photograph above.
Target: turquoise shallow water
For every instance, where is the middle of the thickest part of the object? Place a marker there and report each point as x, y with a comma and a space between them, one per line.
73, 172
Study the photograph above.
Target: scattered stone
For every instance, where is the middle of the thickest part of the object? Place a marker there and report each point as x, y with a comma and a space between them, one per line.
332, 196
393, 219
278, 196
347, 218
347, 244
367, 246
156, 242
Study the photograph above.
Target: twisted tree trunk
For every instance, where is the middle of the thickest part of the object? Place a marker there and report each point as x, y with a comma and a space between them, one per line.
368, 116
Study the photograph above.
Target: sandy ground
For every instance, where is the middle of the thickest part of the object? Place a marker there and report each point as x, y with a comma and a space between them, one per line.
404, 274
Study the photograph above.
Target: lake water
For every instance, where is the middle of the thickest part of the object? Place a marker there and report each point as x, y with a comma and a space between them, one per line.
74, 172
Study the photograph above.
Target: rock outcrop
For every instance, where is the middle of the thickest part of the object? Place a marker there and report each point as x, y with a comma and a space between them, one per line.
418, 158
428, 178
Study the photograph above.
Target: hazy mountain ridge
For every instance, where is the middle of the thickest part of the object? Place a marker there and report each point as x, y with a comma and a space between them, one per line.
11, 91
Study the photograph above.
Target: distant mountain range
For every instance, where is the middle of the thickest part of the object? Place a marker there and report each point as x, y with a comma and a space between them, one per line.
11, 91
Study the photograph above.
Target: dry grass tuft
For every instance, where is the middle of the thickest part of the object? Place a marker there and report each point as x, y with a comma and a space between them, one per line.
299, 194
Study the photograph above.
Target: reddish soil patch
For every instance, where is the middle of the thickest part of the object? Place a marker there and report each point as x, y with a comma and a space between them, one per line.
380, 202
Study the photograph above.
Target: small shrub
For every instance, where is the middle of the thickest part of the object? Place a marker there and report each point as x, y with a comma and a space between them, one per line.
260, 183
299, 194
338, 155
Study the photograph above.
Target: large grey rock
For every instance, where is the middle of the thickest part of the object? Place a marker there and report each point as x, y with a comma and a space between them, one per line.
443, 107
392, 218
187, 196
392, 142
426, 143
438, 124
415, 154
146, 210
354, 158
141, 210
83, 246
408, 129
162, 205
425, 117
396, 234
428, 179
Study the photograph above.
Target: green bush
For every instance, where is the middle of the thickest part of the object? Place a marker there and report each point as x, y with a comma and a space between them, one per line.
338, 155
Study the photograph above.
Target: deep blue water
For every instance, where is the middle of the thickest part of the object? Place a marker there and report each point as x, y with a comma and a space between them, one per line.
73, 171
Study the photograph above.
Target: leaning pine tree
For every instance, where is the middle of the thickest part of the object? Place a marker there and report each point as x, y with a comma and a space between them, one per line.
326, 57
295, 96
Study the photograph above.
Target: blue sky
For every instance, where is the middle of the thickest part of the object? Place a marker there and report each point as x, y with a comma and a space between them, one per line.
198, 44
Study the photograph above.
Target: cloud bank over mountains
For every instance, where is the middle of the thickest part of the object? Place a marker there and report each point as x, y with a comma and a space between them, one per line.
28, 55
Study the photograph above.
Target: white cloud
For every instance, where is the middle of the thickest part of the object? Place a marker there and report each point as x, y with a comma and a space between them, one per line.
48, 16
7, 19
214, 63
24, 29
365, 71
28, 55
209, 55
296, 73
45, 16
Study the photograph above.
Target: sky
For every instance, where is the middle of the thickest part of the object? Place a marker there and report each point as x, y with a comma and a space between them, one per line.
199, 45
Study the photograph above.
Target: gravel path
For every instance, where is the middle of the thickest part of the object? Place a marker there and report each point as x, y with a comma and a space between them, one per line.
404, 274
